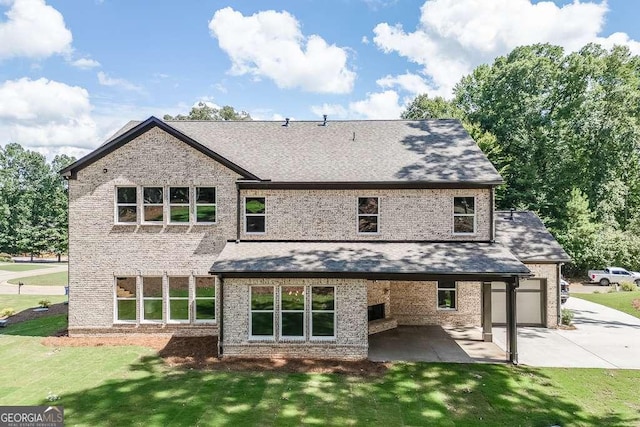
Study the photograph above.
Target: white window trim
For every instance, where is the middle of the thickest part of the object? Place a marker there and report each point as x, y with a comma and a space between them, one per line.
170, 205
455, 294
273, 316
453, 220
117, 205
169, 298
116, 299
302, 337
143, 299
358, 215
196, 298
312, 311
143, 205
244, 209
196, 204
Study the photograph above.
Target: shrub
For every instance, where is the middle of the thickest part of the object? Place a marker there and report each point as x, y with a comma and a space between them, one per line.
567, 316
7, 312
44, 303
628, 287
5, 257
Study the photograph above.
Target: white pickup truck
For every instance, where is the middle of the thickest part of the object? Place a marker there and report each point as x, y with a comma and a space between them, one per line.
613, 275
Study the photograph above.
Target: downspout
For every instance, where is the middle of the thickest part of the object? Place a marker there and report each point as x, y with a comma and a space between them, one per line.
492, 221
558, 294
221, 319
238, 215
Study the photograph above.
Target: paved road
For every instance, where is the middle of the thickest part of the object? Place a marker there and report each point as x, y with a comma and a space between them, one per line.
603, 338
8, 288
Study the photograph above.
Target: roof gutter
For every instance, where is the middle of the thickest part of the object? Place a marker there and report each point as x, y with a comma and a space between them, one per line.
362, 185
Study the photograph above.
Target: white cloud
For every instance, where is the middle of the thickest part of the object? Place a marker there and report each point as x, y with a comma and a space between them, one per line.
454, 36
85, 63
45, 113
364, 40
270, 44
409, 82
376, 105
33, 29
331, 110
105, 80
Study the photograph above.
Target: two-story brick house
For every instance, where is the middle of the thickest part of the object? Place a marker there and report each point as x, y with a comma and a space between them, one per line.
295, 239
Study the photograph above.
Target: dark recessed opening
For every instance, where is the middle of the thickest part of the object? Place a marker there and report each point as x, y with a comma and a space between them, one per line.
376, 312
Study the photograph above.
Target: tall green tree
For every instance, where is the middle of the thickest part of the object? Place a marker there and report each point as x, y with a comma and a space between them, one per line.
203, 111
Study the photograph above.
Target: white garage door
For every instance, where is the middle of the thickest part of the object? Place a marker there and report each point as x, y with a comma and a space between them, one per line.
530, 298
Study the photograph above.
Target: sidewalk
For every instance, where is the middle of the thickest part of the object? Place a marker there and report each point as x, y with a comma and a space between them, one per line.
10, 289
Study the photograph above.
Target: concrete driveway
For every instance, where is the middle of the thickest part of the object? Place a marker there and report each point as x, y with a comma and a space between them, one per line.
603, 338
8, 288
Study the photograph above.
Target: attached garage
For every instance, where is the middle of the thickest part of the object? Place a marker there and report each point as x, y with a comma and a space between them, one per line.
530, 303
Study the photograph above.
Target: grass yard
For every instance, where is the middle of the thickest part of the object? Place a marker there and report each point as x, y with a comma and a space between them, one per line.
22, 302
21, 266
130, 385
622, 301
52, 279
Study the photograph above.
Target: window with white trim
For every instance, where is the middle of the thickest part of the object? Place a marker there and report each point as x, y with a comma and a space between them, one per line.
178, 299
153, 204
126, 205
464, 215
447, 295
262, 312
126, 302
255, 215
152, 299
205, 209
179, 207
205, 299
323, 313
368, 214
292, 312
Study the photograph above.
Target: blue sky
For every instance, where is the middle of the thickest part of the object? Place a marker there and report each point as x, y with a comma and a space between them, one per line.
74, 71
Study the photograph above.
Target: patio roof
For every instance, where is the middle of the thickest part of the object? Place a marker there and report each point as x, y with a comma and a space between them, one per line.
366, 259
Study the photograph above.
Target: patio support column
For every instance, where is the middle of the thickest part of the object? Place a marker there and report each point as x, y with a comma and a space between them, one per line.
487, 331
512, 328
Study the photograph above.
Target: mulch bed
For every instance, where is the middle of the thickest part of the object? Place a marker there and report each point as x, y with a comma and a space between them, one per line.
29, 314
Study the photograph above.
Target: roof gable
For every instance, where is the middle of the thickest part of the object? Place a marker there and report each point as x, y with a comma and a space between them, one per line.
134, 131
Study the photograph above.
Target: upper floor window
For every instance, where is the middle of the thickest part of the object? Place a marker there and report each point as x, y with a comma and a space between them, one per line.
464, 215
368, 214
153, 204
126, 205
255, 214
179, 204
205, 204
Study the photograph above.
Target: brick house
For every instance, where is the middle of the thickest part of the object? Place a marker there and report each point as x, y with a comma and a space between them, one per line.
299, 239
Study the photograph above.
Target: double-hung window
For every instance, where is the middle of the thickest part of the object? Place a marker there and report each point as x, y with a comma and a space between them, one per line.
255, 214
126, 205
323, 312
262, 312
179, 299
205, 299
179, 205
368, 214
447, 295
152, 299
292, 305
205, 204
153, 204
464, 215
126, 303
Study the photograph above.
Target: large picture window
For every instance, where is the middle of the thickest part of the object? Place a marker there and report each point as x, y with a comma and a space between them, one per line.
126, 205
368, 214
255, 214
126, 302
262, 312
153, 207
179, 205
447, 293
292, 305
322, 312
206, 204
179, 299
205, 299
152, 299
464, 215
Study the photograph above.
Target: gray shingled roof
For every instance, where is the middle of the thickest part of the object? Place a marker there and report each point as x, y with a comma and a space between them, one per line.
436, 151
527, 238
404, 258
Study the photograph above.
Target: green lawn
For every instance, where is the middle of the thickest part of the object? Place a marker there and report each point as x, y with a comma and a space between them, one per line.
22, 302
21, 266
621, 301
131, 386
52, 279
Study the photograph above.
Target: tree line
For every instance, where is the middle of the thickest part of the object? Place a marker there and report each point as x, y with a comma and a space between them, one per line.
564, 132
33, 202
